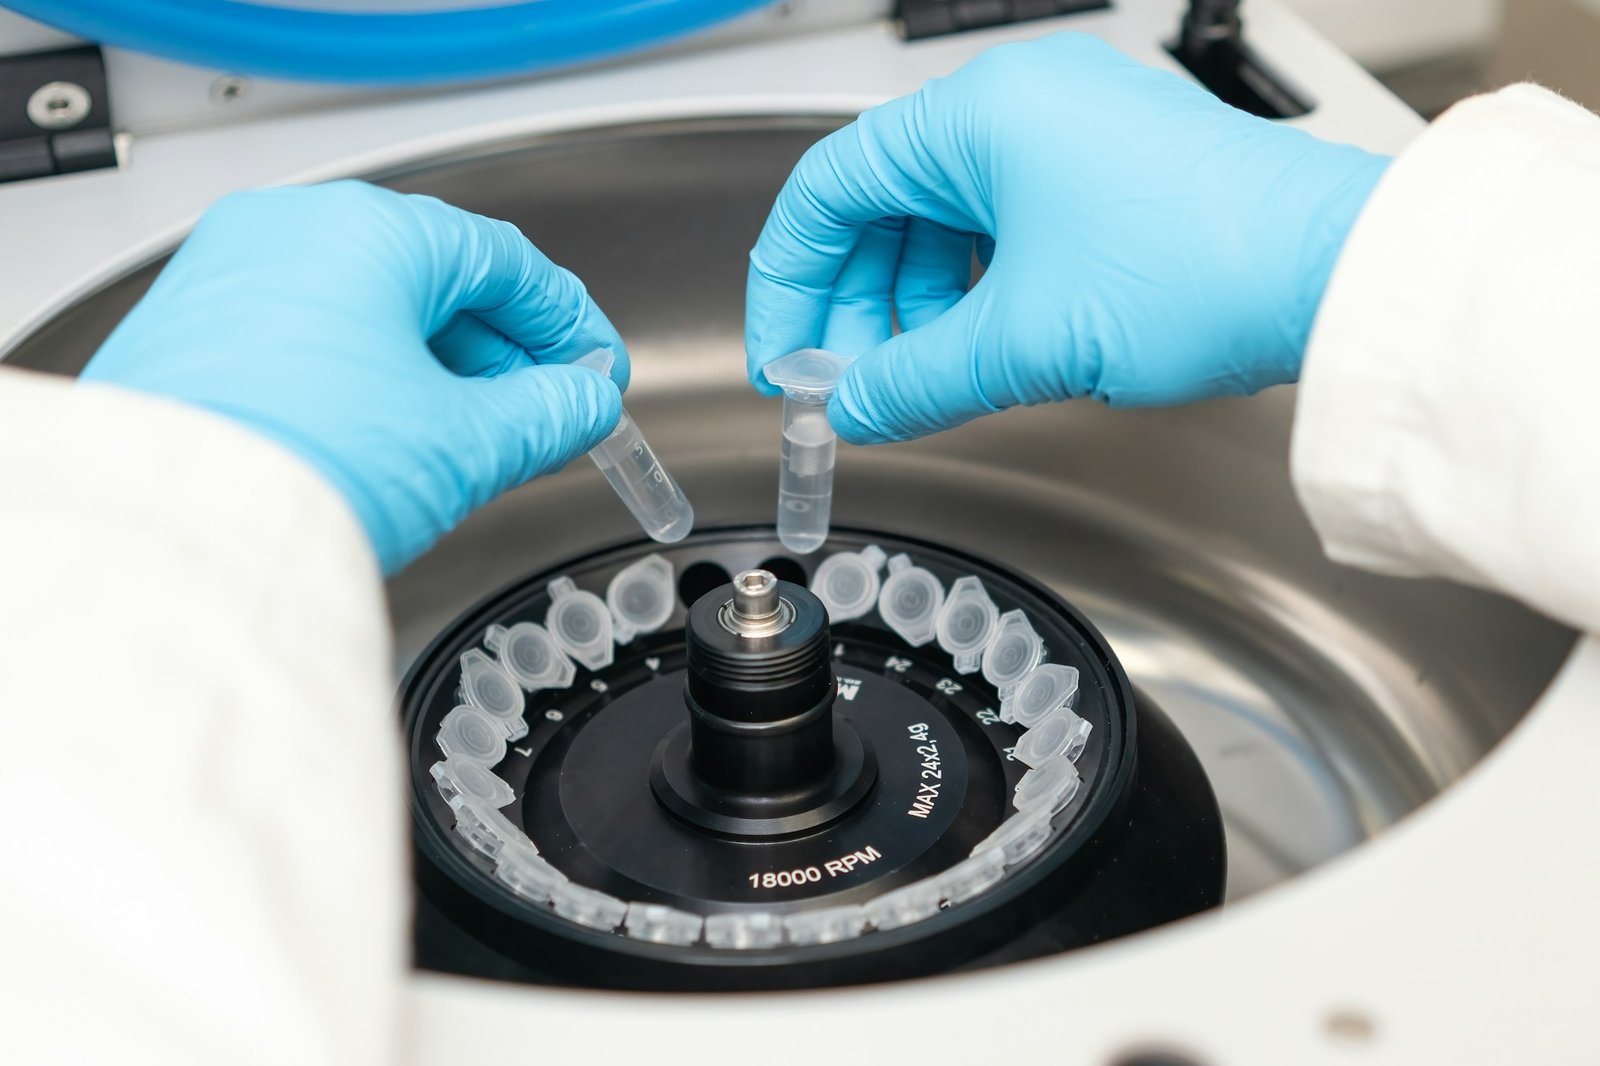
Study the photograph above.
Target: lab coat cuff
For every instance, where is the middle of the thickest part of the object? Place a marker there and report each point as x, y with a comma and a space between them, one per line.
247, 514
1366, 415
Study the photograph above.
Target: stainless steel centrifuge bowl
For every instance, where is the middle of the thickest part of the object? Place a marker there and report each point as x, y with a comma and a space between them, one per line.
1324, 702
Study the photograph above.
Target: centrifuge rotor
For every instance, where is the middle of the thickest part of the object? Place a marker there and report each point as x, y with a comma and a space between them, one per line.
750, 796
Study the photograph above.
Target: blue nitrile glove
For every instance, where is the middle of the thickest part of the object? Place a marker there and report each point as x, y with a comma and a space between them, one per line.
1151, 245
405, 348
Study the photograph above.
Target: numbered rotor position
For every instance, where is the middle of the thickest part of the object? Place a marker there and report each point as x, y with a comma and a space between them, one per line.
749, 796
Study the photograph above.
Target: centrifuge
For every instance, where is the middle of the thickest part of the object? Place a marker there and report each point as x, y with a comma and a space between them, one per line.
1064, 742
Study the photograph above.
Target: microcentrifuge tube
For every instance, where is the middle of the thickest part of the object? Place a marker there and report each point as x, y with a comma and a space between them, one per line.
847, 582
471, 734
972, 876
1019, 836
580, 622
628, 462
587, 906
522, 869
491, 689
1044, 688
1049, 786
1013, 650
460, 781
905, 905
531, 655
640, 598
661, 924
805, 476
744, 929
826, 926
1061, 733
485, 828
910, 601
966, 623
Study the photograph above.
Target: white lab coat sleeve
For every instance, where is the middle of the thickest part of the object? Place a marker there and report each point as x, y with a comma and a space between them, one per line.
1448, 421
201, 860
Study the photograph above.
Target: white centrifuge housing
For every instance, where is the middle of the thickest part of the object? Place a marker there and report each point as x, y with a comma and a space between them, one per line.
1374, 913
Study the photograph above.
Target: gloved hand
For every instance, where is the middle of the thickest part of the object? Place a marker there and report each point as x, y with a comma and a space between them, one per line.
407, 349
1151, 245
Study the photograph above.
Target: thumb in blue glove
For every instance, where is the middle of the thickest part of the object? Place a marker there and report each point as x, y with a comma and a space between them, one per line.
1150, 245
410, 351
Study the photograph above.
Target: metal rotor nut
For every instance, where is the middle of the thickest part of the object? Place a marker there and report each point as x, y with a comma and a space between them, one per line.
756, 609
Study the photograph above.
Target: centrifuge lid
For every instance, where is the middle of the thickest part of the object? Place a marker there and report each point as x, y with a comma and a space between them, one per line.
395, 42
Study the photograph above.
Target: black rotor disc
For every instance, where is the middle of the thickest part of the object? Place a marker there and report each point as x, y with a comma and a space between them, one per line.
1139, 843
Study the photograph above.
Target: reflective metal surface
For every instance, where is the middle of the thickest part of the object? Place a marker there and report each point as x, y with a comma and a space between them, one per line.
1324, 702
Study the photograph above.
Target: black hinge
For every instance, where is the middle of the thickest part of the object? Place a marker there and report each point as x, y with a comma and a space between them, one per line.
1211, 46
55, 114
931, 18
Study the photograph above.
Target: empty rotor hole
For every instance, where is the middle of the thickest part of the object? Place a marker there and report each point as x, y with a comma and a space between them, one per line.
700, 578
785, 569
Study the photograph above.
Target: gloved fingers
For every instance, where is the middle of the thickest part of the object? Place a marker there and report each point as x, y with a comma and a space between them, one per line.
935, 269
471, 348
861, 310
985, 249
488, 267
918, 383
875, 168
535, 420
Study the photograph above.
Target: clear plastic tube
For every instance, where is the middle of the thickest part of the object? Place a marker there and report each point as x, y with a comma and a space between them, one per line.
630, 465
805, 475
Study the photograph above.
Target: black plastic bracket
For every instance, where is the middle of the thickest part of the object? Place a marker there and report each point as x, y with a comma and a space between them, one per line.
55, 114
1211, 46
934, 18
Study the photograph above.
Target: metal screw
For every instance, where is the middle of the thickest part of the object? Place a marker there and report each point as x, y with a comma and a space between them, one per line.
756, 609
59, 105
755, 596
229, 89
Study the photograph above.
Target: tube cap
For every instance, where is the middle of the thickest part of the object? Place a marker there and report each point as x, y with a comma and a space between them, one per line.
521, 869
530, 654
912, 903
847, 583
744, 929
491, 690
460, 782
485, 828
810, 373
972, 876
1019, 837
661, 924
1061, 733
640, 598
467, 734
1015, 649
827, 925
1047, 686
587, 906
910, 601
1049, 786
966, 622
581, 623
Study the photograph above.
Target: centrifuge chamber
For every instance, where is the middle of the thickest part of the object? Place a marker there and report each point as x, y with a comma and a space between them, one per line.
1324, 703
